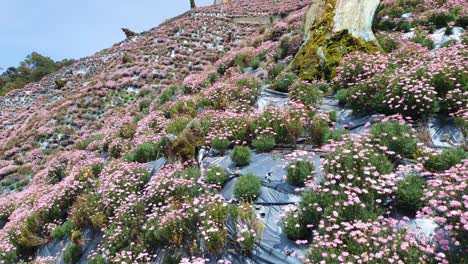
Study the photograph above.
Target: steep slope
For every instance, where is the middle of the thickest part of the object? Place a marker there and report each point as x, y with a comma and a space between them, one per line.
198, 142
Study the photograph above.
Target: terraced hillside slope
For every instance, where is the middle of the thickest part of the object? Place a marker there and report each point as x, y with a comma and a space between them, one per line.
198, 142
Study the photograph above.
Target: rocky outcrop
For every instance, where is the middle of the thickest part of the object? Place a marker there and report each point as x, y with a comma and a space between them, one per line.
333, 29
128, 33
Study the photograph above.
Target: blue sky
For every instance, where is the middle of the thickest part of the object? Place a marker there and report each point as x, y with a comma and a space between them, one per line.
76, 28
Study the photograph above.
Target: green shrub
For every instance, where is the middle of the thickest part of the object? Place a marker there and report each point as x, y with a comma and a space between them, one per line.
127, 131
167, 94
255, 63
387, 44
247, 187
337, 134
332, 116
462, 21
405, 26
409, 194
294, 226
423, 40
298, 172
441, 19
220, 144
216, 175
319, 131
283, 82
447, 159
399, 138
72, 254
264, 143
241, 155
145, 152
307, 94
97, 260
144, 104
276, 70
177, 125
62, 230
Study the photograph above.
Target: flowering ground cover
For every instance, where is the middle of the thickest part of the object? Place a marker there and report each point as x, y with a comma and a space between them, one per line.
119, 150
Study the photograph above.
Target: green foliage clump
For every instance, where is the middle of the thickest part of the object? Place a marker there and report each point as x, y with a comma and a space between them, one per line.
298, 172
264, 143
98, 260
85, 143
72, 254
294, 226
62, 230
182, 149
167, 94
144, 105
422, 39
220, 144
319, 131
397, 137
308, 94
445, 160
276, 70
177, 125
337, 134
247, 187
283, 82
127, 130
255, 63
216, 175
409, 194
146, 152
241, 155
441, 19
87, 211
386, 43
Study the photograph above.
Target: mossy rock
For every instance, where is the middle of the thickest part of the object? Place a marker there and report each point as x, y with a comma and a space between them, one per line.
324, 50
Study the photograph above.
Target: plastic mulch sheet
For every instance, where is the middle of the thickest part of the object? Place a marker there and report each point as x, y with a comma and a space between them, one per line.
155, 165
56, 247
345, 118
269, 97
276, 193
444, 132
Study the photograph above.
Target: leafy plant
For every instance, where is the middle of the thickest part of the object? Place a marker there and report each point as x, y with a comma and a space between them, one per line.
62, 230
72, 254
216, 175
298, 172
220, 144
445, 160
294, 226
241, 155
283, 82
399, 138
177, 125
410, 193
264, 143
146, 152
247, 187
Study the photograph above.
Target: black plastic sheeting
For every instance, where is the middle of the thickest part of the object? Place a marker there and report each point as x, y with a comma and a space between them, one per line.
269, 97
274, 246
444, 132
345, 118
56, 247
155, 166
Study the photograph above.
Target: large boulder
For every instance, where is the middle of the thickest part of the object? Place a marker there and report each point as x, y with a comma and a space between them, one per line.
334, 28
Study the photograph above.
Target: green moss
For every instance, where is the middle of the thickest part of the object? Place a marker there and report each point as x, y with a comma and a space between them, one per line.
322, 53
